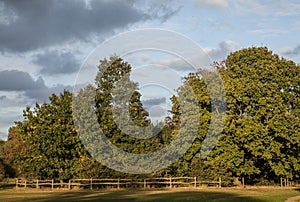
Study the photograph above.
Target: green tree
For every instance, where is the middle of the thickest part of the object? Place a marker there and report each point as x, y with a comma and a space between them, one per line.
119, 110
261, 135
52, 148
111, 112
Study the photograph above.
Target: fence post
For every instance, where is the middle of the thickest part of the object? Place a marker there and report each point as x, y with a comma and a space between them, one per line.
243, 182
52, 184
69, 184
195, 182
37, 183
285, 183
170, 182
145, 183
118, 183
220, 182
91, 185
25, 184
17, 182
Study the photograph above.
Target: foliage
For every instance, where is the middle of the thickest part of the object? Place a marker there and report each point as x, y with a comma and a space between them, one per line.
260, 138
52, 148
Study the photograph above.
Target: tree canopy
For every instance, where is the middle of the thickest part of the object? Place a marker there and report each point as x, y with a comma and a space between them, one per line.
260, 136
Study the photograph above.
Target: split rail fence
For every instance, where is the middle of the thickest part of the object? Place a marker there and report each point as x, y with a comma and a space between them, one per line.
171, 182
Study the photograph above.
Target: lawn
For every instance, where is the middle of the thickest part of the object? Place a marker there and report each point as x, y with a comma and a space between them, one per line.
217, 195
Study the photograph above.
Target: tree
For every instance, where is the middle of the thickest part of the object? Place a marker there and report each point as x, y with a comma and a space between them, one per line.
261, 135
260, 138
111, 113
10, 150
190, 115
52, 148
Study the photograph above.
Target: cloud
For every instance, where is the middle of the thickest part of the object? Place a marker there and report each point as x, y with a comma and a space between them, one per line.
269, 32
34, 24
154, 101
177, 64
211, 3
14, 80
157, 113
3, 136
42, 94
11, 110
157, 108
291, 52
161, 10
55, 62
225, 47
17, 90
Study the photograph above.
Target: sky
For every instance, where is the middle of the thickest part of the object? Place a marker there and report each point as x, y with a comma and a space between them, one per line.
43, 44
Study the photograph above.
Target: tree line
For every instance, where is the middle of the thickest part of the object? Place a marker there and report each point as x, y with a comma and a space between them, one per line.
260, 138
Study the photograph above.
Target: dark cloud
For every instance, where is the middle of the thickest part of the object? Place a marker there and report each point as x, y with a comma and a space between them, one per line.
2, 97
225, 47
155, 101
43, 93
54, 62
295, 51
14, 80
35, 24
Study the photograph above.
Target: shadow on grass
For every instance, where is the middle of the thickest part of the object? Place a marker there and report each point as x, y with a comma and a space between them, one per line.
7, 186
130, 195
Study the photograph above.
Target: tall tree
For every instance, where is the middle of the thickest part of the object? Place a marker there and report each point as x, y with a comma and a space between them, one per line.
52, 148
261, 135
119, 109
114, 114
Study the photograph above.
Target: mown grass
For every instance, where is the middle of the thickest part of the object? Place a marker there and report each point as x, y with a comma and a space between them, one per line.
216, 195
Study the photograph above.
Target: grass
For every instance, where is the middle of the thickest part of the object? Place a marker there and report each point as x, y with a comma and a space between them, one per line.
217, 195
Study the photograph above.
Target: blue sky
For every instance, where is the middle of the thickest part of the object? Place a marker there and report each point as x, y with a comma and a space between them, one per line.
44, 43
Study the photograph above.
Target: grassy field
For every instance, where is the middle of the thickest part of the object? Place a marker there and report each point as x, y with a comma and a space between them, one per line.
217, 195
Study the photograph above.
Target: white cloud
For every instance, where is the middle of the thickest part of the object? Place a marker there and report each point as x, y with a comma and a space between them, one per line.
11, 110
269, 32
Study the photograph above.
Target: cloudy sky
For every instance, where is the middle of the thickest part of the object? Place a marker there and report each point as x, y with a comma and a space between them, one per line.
44, 43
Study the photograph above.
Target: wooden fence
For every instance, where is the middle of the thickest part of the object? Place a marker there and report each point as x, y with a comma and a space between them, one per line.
286, 182
170, 182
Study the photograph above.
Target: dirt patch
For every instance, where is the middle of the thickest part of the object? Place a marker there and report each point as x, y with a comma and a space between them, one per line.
293, 199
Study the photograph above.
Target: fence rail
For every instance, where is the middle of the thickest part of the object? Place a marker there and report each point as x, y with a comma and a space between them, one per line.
170, 182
